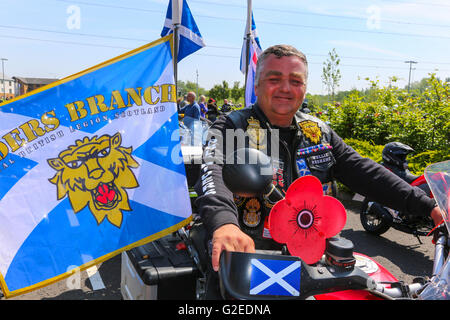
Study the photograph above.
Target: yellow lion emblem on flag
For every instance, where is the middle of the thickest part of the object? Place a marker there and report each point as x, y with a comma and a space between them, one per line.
95, 172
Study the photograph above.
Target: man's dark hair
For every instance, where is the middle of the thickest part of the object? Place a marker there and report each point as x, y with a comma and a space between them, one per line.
279, 50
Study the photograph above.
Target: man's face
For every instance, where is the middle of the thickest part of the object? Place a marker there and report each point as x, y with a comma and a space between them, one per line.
281, 88
190, 98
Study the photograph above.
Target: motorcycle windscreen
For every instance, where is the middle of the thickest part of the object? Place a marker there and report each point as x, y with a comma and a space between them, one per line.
438, 178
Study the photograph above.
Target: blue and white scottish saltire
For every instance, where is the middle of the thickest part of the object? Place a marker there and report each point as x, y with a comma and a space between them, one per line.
190, 38
275, 277
43, 238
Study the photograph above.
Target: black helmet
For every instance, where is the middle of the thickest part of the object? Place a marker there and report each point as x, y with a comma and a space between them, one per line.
395, 153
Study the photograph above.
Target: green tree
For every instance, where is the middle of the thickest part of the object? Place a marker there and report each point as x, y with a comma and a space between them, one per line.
184, 87
237, 92
331, 75
220, 91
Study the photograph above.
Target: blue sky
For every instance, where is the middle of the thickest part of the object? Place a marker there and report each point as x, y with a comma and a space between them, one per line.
56, 38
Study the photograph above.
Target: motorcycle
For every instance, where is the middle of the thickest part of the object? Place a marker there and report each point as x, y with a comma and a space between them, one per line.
377, 219
335, 276
191, 141
339, 273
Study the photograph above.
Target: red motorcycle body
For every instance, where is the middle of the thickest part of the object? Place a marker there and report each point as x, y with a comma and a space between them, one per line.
374, 269
419, 181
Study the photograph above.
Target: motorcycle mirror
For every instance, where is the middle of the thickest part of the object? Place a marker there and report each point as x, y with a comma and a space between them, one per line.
248, 172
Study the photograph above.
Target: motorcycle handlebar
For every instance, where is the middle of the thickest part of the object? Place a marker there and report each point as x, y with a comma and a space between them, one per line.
439, 254
397, 292
317, 279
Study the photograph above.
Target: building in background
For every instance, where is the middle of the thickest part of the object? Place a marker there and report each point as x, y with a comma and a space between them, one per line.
7, 91
25, 85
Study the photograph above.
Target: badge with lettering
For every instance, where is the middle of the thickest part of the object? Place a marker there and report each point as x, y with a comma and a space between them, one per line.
256, 134
252, 213
311, 130
321, 161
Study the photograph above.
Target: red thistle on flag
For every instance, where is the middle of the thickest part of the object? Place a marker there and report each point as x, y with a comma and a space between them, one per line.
305, 218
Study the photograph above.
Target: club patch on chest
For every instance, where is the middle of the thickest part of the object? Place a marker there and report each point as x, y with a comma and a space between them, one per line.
311, 130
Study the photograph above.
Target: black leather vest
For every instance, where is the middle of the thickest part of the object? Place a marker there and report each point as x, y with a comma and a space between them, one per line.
311, 149
309, 153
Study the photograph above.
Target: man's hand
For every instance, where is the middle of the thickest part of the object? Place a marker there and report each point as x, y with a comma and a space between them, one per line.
230, 238
436, 215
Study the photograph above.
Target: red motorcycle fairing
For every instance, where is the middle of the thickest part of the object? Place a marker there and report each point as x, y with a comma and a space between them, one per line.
373, 269
420, 180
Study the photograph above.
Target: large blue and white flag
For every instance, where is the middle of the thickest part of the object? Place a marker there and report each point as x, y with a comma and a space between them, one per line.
254, 36
250, 96
190, 39
275, 277
90, 166
253, 51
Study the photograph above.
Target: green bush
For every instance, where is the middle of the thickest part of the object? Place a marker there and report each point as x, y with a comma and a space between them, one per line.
382, 115
417, 163
366, 149
368, 120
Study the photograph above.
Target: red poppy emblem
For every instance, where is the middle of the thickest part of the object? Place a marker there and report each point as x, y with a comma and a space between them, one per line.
305, 218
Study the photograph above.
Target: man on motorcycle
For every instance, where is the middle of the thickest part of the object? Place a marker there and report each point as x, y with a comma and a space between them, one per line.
305, 144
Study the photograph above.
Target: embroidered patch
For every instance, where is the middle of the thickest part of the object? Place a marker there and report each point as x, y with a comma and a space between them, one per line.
327, 189
252, 213
311, 130
239, 201
303, 167
317, 160
278, 173
313, 149
256, 134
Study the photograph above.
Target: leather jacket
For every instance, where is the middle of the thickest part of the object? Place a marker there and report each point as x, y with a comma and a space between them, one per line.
308, 146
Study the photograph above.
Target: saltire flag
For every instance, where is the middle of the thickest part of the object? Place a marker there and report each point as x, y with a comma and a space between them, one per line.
190, 39
253, 51
90, 166
254, 36
275, 277
250, 96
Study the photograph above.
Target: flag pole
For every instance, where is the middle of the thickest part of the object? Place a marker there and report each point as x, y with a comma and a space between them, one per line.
176, 21
247, 43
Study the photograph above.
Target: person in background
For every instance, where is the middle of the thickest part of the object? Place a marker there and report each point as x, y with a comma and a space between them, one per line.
213, 112
226, 107
203, 107
191, 113
184, 102
178, 104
